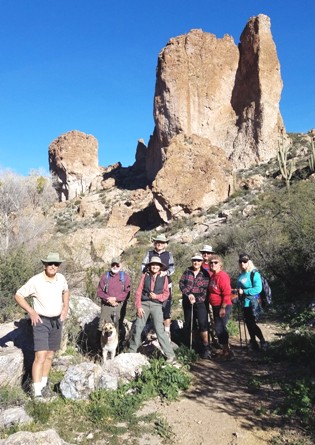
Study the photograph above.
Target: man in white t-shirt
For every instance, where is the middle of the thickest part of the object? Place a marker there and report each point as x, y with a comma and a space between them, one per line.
50, 294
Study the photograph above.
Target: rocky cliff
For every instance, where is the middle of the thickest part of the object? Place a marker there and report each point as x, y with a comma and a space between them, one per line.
227, 94
73, 160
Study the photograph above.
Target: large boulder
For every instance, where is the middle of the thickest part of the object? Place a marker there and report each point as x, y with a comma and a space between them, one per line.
195, 176
73, 160
39, 438
82, 379
211, 88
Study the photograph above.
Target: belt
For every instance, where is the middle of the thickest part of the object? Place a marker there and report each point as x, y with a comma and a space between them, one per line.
54, 321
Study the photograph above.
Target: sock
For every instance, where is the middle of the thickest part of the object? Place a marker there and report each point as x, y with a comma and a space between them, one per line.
44, 382
37, 389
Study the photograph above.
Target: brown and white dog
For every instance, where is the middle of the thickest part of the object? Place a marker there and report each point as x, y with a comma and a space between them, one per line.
109, 340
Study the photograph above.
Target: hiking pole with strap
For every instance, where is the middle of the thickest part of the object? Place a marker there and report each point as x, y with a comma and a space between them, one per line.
191, 325
239, 323
245, 333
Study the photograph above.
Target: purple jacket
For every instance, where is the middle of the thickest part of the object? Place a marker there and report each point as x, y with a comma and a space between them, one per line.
114, 288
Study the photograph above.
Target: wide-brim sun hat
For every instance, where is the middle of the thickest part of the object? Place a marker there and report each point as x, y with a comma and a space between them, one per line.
52, 257
157, 260
116, 259
162, 238
197, 256
207, 248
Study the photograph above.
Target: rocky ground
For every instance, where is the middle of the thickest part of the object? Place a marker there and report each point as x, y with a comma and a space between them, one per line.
228, 403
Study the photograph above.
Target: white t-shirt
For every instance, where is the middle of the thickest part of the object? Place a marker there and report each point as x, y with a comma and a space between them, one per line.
47, 295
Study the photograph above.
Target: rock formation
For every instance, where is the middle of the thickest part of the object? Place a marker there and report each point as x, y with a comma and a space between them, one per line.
73, 160
229, 95
195, 175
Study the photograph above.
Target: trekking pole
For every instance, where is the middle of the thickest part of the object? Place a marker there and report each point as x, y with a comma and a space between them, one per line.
191, 325
239, 324
245, 333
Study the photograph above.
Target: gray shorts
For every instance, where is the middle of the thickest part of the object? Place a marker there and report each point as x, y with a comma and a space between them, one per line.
47, 335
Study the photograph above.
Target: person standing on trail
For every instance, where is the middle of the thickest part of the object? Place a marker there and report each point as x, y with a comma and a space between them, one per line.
160, 244
220, 300
194, 286
249, 289
152, 291
113, 290
50, 294
206, 253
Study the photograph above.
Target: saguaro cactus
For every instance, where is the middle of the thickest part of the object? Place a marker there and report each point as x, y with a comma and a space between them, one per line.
311, 159
286, 167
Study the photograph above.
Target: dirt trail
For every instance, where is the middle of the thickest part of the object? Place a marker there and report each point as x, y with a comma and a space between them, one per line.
221, 406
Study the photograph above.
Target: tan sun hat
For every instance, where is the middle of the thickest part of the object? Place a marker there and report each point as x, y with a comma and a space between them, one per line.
162, 238
157, 260
207, 248
52, 257
197, 256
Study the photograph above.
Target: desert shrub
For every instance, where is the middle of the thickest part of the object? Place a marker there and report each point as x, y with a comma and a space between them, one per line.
280, 237
16, 267
11, 396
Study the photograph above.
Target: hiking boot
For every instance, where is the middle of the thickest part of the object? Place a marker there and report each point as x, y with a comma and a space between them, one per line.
227, 355
253, 346
172, 361
205, 352
264, 345
47, 393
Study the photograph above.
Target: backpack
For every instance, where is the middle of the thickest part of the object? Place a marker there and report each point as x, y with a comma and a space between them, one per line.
121, 278
265, 294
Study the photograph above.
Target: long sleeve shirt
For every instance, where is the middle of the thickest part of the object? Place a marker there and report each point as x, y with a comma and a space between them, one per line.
165, 254
244, 282
160, 297
198, 286
113, 287
220, 289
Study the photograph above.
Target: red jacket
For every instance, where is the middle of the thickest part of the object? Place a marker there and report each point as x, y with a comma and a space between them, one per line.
220, 289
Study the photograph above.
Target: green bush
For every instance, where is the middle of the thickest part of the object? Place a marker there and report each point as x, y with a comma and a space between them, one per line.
16, 267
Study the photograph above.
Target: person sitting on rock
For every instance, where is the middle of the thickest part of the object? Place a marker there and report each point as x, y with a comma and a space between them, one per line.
151, 293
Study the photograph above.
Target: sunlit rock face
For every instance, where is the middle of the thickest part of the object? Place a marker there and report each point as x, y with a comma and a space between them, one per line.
214, 89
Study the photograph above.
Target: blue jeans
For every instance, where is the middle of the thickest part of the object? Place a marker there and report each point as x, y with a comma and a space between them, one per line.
221, 322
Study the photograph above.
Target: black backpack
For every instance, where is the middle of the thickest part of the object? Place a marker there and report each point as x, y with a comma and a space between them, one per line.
265, 294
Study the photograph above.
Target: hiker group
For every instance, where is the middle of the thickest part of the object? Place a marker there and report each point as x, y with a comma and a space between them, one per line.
207, 299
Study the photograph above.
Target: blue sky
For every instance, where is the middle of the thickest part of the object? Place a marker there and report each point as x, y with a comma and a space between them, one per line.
89, 65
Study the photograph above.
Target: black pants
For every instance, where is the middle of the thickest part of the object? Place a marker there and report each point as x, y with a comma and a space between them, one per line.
253, 330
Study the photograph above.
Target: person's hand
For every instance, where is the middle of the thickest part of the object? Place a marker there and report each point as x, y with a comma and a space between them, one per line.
163, 273
153, 296
140, 312
240, 291
63, 315
222, 312
112, 301
35, 318
192, 298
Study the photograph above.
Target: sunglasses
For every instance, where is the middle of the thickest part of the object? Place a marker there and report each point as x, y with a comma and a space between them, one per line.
214, 262
115, 265
197, 261
243, 261
53, 264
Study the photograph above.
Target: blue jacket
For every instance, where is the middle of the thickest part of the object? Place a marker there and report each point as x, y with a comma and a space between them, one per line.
251, 291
